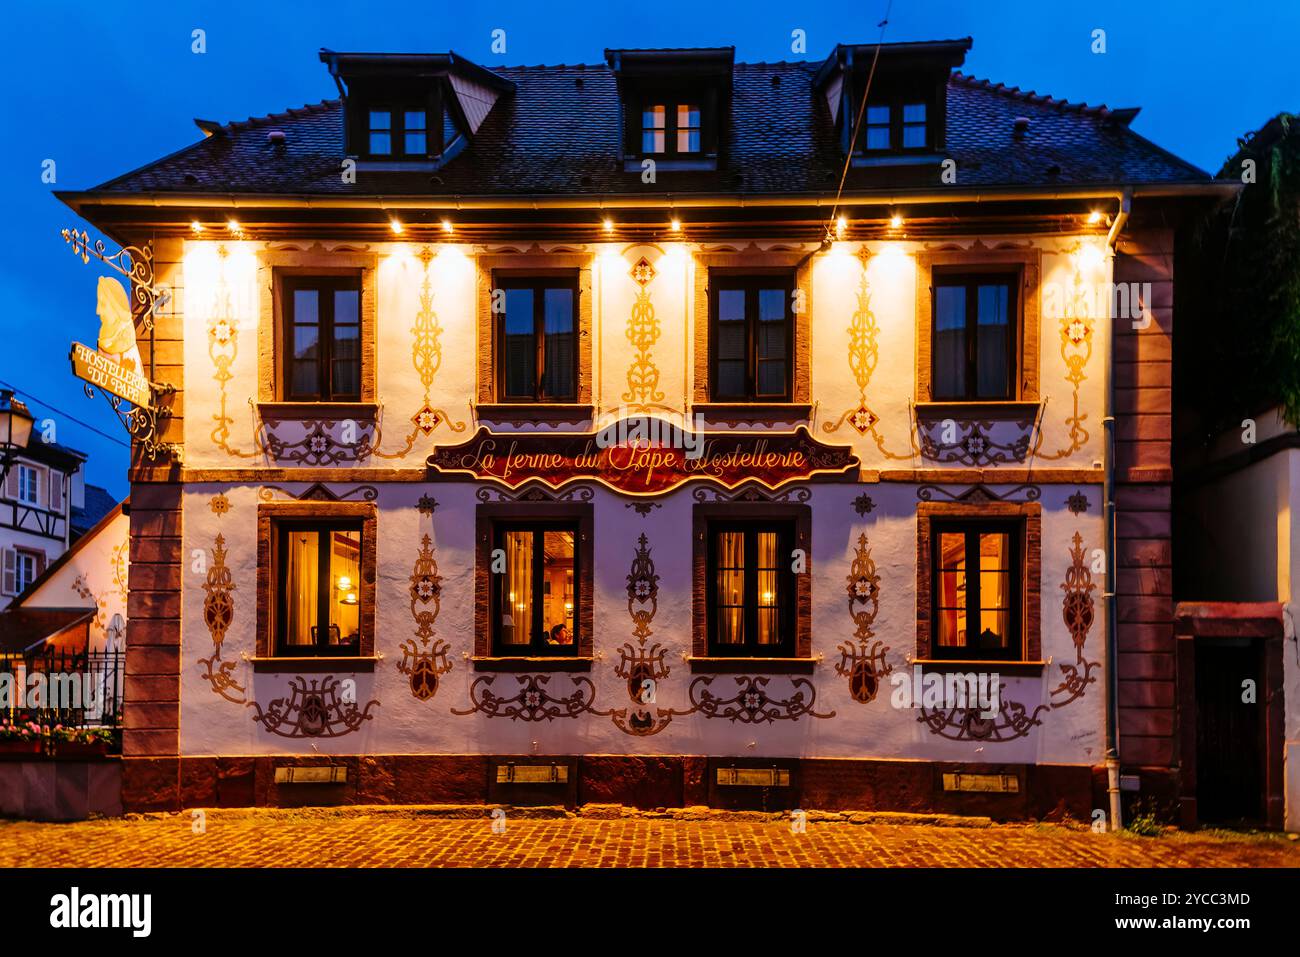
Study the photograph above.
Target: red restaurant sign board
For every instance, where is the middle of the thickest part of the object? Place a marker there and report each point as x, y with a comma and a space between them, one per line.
638, 466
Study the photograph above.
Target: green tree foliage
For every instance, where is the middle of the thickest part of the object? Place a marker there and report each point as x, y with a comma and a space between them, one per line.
1245, 285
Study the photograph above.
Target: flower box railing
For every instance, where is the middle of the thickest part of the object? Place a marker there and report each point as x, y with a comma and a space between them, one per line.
61, 704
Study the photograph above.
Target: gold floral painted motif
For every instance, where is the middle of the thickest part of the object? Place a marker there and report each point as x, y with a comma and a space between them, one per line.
643, 669
218, 613
422, 663
1076, 349
864, 355
643, 334
863, 664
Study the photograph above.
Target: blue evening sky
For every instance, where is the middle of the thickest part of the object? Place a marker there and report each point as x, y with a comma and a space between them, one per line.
102, 88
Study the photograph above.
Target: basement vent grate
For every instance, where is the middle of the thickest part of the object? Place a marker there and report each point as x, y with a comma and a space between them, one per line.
754, 777
1001, 783
293, 775
532, 774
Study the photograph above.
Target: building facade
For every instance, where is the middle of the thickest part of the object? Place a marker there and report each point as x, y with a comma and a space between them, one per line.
668, 431
42, 490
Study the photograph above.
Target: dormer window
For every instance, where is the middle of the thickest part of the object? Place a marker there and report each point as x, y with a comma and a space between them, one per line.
398, 132
672, 129
905, 86
410, 108
675, 104
893, 126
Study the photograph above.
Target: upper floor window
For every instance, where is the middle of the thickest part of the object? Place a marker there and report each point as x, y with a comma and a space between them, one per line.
977, 574
534, 602
537, 338
319, 575
672, 128
29, 483
898, 124
974, 336
750, 337
322, 345
398, 131
750, 588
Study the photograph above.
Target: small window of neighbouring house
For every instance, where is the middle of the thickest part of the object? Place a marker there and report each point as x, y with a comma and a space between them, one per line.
26, 569
322, 338
319, 577
974, 335
914, 135
878, 128
750, 589
29, 483
977, 575
537, 338
535, 600
897, 123
672, 128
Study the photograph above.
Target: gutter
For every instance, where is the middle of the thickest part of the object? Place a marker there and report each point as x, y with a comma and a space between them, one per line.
1108, 512
827, 201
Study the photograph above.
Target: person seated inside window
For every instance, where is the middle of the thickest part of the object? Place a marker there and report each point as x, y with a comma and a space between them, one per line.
560, 635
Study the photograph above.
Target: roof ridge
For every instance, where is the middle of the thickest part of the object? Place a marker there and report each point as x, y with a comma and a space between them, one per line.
1031, 96
291, 112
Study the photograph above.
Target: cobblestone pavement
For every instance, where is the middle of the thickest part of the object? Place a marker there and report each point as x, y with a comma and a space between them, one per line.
377, 837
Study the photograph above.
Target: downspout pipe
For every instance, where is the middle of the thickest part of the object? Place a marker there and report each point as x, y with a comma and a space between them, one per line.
1108, 512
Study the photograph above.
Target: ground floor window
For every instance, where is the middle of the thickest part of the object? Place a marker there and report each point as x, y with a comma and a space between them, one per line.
316, 579
535, 593
978, 589
750, 589
977, 576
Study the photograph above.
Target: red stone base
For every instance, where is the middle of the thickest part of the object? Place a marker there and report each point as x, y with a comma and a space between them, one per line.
1046, 792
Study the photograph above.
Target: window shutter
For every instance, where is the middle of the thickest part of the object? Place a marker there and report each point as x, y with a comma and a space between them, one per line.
632, 124
11, 483
56, 491
8, 581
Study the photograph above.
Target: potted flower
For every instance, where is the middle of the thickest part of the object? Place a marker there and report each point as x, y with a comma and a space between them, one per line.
81, 742
21, 737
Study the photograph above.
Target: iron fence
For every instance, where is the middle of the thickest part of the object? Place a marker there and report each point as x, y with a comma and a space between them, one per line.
58, 687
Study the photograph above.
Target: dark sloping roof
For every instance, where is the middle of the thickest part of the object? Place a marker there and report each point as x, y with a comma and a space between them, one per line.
99, 502
22, 629
559, 133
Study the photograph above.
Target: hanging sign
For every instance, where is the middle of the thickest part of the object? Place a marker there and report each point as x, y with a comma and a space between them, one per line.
109, 374
643, 456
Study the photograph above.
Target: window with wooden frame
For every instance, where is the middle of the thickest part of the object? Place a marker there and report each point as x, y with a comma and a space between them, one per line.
751, 336
751, 589
977, 572
536, 337
978, 587
901, 116
19, 567
319, 572
397, 131
29, 484
672, 127
321, 345
983, 333
535, 599
316, 580
533, 586
975, 335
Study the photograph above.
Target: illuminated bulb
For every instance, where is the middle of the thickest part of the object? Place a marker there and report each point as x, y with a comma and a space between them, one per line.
767, 596
196, 227
396, 226
345, 583
446, 225
234, 227
350, 598
676, 224
609, 225
896, 222
841, 224
1094, 216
